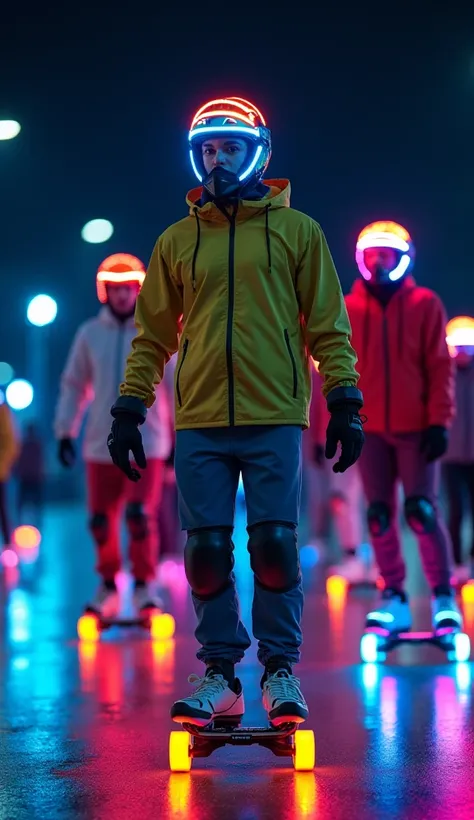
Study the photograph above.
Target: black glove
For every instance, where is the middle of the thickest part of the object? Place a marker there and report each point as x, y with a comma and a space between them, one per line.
434, 442
345, 426
318, 455
66, 452
129, 412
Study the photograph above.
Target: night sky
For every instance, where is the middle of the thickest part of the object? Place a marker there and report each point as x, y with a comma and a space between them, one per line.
371, 110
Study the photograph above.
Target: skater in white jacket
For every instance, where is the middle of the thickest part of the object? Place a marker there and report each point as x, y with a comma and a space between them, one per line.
90, 381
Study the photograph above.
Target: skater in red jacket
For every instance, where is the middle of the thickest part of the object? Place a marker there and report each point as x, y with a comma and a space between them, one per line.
458, 466
406, 375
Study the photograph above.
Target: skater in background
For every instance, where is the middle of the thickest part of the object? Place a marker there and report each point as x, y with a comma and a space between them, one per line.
171, 538
406, 375
316, 472
90, 379
346, 501
242, 268
458, 463
30, 473
8, 453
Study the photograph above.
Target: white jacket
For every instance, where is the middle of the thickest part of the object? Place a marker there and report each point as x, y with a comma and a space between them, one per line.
91, 377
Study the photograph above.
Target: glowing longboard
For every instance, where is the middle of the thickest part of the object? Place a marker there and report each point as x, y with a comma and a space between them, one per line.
286, 741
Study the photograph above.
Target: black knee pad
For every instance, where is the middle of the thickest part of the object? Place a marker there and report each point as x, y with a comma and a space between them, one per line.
137, 521
420, 514
99, 527
378, 518
274, 555
209, 560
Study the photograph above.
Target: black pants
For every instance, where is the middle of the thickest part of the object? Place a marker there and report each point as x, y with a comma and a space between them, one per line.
459, 484
4, 519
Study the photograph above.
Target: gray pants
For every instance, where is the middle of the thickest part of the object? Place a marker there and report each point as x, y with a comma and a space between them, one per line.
385, 460
208, 463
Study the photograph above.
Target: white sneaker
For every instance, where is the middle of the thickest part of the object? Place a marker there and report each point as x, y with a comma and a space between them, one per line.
106, 603
283, 699
146, 597
460, 575
212, 699
353, 569
445, 612
392, 612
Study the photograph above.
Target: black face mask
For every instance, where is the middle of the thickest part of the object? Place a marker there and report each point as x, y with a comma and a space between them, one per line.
222, 184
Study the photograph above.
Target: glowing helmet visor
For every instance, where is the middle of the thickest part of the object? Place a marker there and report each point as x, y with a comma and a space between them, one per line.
119, 269
231, 116
386, 235
460, 336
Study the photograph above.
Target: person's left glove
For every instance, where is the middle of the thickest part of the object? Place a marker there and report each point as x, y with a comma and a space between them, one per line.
125, 437
434, 442
345, 427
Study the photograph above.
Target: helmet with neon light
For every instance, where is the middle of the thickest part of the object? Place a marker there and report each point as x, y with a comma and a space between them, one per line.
385, 235
119, 269
460, 336
237, 117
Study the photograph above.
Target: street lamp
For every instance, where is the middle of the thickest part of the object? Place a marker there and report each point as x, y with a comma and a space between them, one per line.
42, 310
19, 394
9, 129
40, 314
6, 373
97, 231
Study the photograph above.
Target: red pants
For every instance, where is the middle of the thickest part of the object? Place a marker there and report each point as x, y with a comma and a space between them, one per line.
109, 491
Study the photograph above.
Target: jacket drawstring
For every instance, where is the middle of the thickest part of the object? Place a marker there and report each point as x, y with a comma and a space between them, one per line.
196, 248
267, 236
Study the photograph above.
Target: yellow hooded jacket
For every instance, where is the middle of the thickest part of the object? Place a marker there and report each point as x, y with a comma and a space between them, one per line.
258, 294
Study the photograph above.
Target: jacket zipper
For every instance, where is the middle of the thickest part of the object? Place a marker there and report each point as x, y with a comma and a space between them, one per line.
293, 364
178, 374
387, 371
230, 320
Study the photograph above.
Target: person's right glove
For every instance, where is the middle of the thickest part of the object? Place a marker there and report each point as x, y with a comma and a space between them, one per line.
66, 452
345, 427
125, 437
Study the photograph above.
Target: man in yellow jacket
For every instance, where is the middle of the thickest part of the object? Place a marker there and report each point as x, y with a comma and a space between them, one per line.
8, 453
246, 290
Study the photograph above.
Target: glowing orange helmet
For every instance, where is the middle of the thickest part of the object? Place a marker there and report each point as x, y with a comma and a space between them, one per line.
460, 336
119, 269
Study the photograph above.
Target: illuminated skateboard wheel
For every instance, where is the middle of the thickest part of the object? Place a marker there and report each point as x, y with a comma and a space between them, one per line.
179, 752
88, 628
467, 592
162, 626
304, 756
462, 648
336, 585
369, 649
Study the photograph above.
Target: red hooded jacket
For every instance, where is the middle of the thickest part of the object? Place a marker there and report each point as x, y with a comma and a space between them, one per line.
406, 373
